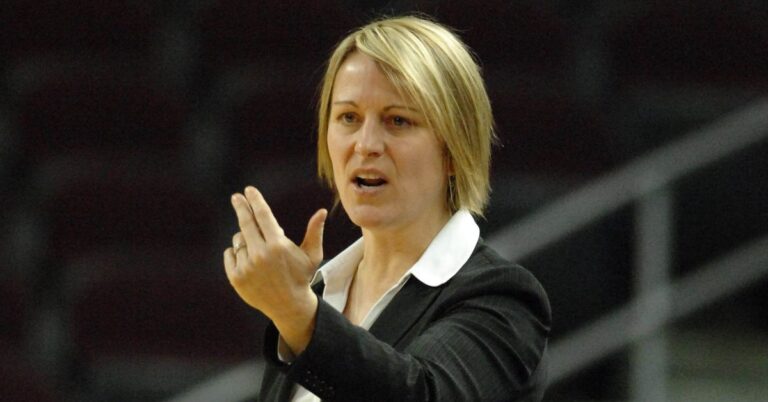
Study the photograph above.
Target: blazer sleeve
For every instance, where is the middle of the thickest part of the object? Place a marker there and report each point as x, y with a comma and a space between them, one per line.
483, 339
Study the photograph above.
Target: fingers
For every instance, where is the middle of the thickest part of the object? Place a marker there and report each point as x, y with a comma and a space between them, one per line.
259, 226
250, 230
240, 247
230, 264
269, 270
238, 252
313, 238
238, 242
265, 219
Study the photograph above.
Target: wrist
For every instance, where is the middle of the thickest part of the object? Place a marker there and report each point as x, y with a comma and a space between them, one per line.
297, 326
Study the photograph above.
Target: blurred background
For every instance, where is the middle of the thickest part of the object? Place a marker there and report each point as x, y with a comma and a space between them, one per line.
632, 179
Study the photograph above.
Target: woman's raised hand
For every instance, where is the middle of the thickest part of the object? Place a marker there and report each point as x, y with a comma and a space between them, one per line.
270, 272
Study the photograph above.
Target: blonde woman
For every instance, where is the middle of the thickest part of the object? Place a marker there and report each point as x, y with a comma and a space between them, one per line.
419, 308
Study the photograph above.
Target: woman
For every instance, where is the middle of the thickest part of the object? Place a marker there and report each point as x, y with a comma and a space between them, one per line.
419, 308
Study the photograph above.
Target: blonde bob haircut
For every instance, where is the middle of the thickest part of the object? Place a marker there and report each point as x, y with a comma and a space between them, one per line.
430, 65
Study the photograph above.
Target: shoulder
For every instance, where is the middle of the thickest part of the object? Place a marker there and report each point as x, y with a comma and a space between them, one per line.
494, 305
487, 274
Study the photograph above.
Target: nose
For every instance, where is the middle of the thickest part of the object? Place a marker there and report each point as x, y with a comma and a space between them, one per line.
370, 141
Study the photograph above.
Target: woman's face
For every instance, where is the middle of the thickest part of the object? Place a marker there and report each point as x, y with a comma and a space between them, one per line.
388, 166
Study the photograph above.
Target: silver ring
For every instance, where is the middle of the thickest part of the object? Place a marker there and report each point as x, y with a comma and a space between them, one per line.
238, 246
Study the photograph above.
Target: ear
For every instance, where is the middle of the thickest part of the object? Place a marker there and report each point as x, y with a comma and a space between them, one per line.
452, 193
448, 162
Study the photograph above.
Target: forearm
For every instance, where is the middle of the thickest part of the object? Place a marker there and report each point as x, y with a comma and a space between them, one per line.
297, 325
344, 362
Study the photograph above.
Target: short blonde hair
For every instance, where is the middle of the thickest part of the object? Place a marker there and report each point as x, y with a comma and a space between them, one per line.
430, 65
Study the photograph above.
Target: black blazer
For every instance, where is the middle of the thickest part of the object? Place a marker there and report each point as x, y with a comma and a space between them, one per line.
481, 336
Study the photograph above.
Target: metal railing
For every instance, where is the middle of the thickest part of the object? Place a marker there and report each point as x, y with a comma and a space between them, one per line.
649, 183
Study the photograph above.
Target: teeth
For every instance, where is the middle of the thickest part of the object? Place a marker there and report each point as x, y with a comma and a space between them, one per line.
369, 182
368, 176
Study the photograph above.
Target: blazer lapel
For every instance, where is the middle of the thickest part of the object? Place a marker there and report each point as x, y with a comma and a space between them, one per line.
318, 288
405, 309
402, 313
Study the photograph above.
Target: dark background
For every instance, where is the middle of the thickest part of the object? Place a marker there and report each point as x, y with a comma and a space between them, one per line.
125, 126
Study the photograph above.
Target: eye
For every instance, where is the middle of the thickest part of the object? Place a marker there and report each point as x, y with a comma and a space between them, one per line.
348, 117
399, 121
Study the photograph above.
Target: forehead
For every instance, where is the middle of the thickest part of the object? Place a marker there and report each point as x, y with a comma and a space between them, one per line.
358, 63
361, 76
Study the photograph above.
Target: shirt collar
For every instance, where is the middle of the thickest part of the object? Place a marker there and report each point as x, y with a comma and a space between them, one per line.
442, 259
449, 250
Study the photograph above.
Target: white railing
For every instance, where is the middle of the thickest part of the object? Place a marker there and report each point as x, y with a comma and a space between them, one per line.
670, 301
647, 181
237, 384
638, 179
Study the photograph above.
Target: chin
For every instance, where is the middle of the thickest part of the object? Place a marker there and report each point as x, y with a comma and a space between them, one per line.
366, 216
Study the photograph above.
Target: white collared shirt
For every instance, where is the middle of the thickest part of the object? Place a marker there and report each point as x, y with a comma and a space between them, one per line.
442, 259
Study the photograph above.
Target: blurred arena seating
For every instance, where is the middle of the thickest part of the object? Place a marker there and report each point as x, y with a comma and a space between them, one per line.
82, 27
241, 31
14, 297
19, 381
125, 126
120, 345
714, 43
549, 135
526, 35
102, 112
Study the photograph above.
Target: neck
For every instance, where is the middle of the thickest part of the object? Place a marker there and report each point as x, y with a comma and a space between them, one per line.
388, 254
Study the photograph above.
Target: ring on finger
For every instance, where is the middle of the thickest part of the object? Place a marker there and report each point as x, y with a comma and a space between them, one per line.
238, 246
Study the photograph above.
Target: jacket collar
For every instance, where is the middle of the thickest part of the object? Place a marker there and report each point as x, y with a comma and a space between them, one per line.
444, 256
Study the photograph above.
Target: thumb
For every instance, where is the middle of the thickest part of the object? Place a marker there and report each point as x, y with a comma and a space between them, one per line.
313, 239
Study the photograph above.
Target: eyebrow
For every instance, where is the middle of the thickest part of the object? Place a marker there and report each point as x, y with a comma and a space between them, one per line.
352, 103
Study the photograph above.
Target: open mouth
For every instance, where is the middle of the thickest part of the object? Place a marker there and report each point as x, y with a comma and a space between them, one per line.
369, 181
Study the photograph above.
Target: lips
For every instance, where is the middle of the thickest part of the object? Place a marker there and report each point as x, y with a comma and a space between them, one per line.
368, 178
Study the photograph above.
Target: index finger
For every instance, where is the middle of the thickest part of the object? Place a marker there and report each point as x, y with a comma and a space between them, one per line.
263, 214
248, 225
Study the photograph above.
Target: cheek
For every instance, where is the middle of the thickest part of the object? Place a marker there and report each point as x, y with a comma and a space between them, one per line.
336, 154
426, 168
